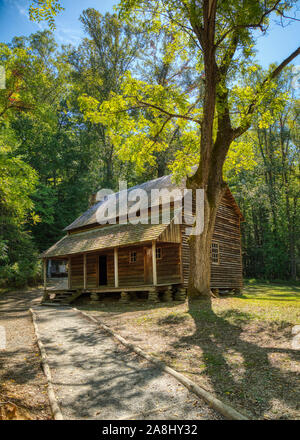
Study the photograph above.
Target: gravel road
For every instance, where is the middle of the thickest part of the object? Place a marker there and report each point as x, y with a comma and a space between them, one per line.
97, 378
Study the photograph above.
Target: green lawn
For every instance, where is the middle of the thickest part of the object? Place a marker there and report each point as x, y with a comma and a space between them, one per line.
270, 301
271, 291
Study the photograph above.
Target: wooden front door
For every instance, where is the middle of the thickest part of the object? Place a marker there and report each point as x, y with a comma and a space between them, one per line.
148, 278
102, 270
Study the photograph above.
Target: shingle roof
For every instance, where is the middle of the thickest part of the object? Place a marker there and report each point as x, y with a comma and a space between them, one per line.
90, 216
119, 234
104, 238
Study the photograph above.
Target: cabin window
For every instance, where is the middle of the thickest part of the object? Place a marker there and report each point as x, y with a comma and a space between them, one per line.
215, 253
158, 253
132, 257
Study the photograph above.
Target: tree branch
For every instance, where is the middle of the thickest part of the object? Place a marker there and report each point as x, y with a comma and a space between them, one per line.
171, 115
252, 107
252, 26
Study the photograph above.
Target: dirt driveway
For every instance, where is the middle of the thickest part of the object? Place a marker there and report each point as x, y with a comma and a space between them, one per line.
97, 378
22, 382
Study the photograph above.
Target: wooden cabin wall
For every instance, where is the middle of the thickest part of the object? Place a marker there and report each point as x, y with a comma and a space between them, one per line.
168, 267
131, 274
171, 234
92, 270
228, 273
175, 260
185, 257
110, 268
76, 272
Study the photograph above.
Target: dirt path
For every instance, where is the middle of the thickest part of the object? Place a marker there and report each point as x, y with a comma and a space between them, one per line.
21, 379
96, 378
237, 348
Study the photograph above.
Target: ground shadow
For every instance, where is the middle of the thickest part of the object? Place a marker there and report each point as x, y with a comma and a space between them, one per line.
95, 377
21, 378
259, 383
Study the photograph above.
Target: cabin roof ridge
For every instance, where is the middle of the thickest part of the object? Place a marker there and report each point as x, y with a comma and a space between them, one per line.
89, 217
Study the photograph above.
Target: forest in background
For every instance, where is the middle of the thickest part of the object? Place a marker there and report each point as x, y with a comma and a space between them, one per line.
53, 157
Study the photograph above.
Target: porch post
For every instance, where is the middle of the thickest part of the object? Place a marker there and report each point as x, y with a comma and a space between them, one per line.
45, 273
84, 272
69, 273
116, 267
154, 263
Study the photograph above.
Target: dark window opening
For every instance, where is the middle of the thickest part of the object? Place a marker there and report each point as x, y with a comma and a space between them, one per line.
132, 257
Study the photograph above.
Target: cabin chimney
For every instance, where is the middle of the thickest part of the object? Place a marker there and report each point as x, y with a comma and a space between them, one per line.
92, 199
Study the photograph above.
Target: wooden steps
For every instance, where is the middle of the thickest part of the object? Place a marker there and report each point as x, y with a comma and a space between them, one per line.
62, 297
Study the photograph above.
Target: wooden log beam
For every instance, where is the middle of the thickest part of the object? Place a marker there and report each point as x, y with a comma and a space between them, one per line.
154, 268
116, 267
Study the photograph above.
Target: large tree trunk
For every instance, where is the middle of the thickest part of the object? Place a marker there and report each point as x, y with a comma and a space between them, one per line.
200, 248
199, 278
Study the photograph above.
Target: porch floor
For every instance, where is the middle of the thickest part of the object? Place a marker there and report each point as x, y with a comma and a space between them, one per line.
107, 289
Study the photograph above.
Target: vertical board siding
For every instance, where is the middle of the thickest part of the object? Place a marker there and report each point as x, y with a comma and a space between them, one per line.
76, 272
171, 233
91, 270
110, 268
168, 267
131, 274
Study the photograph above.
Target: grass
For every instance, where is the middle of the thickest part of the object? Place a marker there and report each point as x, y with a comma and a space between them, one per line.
269, 302
239, 348
271, 292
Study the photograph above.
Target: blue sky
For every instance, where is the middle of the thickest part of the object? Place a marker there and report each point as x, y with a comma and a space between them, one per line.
14, 21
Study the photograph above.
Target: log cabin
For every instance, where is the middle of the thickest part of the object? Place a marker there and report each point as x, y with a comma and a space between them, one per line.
154, 258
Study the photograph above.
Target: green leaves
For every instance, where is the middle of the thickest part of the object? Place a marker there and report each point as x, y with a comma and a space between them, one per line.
241, 157
17, 182
45, 10
216, 38
142, 119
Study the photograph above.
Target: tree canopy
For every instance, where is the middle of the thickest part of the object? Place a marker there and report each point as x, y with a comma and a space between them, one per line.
218, 40
132, 101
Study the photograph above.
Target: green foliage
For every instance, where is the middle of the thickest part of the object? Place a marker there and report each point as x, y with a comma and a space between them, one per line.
18, 256
135, 135
98, 65
45, 10
143, 117
12, 98
21, 267
268, 194
129, 102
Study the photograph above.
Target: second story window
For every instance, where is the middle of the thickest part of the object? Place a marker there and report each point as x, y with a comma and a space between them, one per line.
132, 257
158, 253
215, 253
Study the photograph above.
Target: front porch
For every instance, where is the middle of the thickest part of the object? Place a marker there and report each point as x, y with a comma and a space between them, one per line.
154, 268
154, 294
